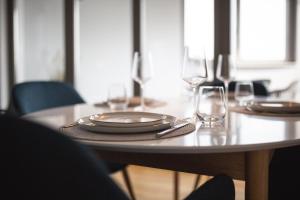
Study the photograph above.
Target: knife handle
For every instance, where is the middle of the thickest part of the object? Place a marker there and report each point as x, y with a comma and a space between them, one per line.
165, 132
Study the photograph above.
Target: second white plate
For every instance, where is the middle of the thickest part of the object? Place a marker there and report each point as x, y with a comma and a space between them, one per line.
86, 124
129, 119
276, 106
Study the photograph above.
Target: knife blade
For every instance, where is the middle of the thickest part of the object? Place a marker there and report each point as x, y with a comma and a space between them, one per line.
170, 130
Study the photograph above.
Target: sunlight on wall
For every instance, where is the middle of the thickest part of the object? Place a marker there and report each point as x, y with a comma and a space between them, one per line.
263, 35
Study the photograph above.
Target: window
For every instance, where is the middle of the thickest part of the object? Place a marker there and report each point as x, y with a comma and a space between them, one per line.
199, 26
40, 41
263, 29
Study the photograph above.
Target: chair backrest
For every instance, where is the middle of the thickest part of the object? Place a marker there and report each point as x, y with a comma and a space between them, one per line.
258, 86
37, 95
40, 163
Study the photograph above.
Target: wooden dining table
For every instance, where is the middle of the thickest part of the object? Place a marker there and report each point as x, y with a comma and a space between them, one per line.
242, 149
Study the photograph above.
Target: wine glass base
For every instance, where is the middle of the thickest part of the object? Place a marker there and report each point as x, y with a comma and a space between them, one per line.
212, 124
141, 108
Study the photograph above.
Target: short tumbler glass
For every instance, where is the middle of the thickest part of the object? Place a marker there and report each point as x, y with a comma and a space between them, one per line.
117, 97
211, 107
244, 92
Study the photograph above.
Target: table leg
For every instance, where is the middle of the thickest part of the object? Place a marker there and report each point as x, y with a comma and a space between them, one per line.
176, 185
257, 175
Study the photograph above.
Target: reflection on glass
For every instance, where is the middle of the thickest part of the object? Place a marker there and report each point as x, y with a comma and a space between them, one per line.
219, 140
211, 136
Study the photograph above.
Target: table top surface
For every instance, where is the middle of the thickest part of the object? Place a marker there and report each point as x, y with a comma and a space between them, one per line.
244, 132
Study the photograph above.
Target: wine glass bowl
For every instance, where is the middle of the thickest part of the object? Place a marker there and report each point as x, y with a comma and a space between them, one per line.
226, 71
226, 68
196, 74
194, 70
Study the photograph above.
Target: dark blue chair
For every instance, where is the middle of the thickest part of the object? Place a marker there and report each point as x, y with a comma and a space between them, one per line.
33, 96
258, 85
284, 174
39, 163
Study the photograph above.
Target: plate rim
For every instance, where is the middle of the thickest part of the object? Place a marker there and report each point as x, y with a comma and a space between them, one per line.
286, 109
129, 124
123, 130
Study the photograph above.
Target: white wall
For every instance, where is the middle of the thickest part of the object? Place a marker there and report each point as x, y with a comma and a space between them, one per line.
163, 36
3, 60
41, 36
105, 46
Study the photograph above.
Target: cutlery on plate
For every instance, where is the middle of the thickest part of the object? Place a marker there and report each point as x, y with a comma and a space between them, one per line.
170, 130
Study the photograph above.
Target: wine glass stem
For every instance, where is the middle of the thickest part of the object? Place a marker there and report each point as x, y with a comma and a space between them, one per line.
226, 83
142, 96
194, 102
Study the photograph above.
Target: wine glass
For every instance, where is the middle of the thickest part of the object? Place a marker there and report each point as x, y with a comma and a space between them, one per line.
194, 72
142, 72
244, 92
226, 71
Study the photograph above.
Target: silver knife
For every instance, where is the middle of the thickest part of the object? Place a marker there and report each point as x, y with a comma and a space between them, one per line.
177, 126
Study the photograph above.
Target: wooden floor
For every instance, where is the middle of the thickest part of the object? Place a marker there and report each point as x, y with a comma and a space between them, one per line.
149, 183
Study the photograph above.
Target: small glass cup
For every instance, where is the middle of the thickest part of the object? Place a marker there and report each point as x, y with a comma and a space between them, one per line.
117, 97
244, 93
211, 108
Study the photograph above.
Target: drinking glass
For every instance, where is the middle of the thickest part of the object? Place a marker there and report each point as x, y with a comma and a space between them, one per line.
244, 92
226, 71
212, 109
117, 97
142, 72
194, 72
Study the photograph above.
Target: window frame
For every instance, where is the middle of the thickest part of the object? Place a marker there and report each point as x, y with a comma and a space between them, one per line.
290, 54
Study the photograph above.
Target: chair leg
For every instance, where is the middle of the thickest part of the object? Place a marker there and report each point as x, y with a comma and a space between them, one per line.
128, 183
197, 181
176, 185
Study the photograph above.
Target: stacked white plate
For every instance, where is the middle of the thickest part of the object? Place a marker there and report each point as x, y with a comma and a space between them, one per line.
275, 107
126, 122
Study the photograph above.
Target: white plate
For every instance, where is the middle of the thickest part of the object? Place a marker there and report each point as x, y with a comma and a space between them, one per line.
86, 124
128, 119
275, 106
